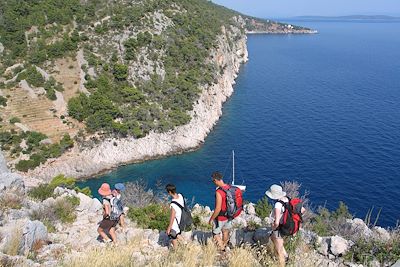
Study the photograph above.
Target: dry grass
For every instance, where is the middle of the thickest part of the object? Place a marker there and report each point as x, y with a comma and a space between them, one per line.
139, 253
10, 200
189, 255
243, 257
107, 256
14, 244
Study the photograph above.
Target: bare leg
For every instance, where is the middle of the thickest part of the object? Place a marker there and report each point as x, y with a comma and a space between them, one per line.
225, 237
102, 234
113, 235
220, 243
174, 243
280, 250
122, 221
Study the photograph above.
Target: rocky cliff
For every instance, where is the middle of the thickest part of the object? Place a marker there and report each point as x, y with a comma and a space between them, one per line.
228, 55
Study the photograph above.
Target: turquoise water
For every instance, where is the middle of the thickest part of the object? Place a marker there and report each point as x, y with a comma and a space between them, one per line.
323, 110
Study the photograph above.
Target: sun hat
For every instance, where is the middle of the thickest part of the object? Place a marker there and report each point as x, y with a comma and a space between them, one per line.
119, 186
104, 189
275, 192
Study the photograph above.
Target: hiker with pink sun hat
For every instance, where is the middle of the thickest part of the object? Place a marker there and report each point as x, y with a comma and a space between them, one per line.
107, 225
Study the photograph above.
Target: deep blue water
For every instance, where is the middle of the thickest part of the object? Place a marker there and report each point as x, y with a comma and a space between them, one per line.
322, 109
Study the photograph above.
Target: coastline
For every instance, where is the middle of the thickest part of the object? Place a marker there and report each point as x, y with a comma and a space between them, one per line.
112, 153
282, 32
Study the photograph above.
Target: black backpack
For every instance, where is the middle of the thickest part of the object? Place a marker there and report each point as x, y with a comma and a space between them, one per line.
186, 217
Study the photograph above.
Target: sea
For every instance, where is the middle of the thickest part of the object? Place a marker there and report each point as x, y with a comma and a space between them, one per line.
319, 109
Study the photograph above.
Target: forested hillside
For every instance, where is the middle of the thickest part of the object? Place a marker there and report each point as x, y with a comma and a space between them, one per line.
98, 68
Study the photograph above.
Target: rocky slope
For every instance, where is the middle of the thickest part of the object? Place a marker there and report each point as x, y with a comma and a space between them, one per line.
208, 108
122, 81
28, 240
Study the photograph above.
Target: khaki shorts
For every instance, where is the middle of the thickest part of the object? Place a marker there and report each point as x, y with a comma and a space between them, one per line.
218, 226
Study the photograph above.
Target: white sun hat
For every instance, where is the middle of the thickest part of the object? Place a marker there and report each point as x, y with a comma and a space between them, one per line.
275, 192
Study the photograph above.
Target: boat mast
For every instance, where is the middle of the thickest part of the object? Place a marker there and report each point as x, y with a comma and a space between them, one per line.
233, 166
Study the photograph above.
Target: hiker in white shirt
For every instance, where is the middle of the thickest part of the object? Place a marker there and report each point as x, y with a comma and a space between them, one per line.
173, 230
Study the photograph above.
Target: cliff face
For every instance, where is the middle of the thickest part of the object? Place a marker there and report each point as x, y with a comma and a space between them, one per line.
111, 153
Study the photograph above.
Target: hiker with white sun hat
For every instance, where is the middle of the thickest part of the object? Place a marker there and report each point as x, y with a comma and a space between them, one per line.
275, 192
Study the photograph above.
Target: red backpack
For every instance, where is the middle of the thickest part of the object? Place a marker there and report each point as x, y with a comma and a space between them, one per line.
292, 217
234, 202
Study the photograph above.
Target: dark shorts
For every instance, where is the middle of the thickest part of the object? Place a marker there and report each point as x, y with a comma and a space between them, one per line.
107, 224
173, 235
277, 234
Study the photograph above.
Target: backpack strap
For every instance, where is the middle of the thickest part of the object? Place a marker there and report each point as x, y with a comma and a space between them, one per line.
224, 213
179, 205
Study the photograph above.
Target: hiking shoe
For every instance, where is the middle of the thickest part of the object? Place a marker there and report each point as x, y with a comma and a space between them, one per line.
287, 259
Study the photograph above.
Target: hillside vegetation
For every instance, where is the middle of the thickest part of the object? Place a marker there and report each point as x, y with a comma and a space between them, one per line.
107, 68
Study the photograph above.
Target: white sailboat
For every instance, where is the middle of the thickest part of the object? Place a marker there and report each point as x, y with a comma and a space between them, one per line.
241, 187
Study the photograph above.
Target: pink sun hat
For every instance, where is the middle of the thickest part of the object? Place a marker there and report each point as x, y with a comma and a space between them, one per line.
104, 189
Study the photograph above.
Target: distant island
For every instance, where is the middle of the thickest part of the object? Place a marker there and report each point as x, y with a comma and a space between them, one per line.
346, 18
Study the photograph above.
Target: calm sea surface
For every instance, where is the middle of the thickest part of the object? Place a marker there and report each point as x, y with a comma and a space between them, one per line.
322, 109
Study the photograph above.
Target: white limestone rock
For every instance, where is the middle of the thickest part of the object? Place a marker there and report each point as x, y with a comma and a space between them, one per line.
381, 234
33, 231
322, 245
338, 245
250, 209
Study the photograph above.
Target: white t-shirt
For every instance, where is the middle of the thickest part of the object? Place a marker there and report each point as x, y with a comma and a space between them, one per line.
178, 212
278, 205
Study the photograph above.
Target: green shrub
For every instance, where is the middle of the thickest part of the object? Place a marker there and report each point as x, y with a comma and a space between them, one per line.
153, 216
326, 223
3, 101
32, 76
86, 190
120, 71
198, 224
41, 192
364, 251
26, 165
33, 139
45, 191
263, 208
61, 180
252, 226
66, 142
49, 225
64, 209
15, 120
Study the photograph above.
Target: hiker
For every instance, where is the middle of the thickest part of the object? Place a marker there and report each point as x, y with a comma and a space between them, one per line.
107, 225
220, 222
173, 230
118, 188
275, 192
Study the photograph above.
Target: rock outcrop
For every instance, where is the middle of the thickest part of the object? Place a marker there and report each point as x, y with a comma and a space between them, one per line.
9, 179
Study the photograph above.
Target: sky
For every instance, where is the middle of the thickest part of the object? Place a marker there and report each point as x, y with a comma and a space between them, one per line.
291, 8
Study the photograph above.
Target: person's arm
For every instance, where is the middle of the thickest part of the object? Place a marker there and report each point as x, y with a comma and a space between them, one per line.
107, 210
303, 210
277, 215
171, 220
217, 210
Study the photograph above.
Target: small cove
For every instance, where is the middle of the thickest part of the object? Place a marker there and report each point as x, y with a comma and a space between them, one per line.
319, 109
